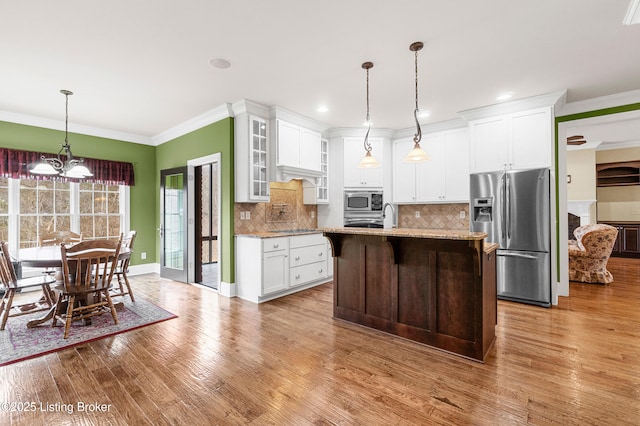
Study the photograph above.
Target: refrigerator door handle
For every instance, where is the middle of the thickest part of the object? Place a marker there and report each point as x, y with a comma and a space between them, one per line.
503, 222
522, 255
508, 205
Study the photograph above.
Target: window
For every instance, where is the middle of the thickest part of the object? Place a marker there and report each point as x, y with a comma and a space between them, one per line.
44, 207
4, 209
100, 211
29, 208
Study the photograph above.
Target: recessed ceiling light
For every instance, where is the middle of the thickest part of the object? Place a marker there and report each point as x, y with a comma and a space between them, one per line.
322, 108
424, 114
367, 123
504, 96
220, 63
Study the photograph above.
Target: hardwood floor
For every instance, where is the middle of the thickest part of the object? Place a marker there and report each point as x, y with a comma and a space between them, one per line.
287, 362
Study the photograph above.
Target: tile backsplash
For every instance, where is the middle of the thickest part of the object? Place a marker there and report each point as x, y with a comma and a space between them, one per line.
434, 216
285, 210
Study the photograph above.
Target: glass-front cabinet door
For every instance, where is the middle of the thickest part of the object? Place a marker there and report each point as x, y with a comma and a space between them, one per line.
259, 184
323, 181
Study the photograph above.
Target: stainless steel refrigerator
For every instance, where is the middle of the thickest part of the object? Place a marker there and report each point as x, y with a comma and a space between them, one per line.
512, 207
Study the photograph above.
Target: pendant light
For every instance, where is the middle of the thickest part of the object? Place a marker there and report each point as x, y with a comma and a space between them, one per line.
417, 154
368, 161
69, 166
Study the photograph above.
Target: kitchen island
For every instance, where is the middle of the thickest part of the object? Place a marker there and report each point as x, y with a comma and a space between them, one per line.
433, 286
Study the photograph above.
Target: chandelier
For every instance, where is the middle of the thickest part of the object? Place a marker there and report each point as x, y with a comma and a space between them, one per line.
368, 161
417, 154
63, 164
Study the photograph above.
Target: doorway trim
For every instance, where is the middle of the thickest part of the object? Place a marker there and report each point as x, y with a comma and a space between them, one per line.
562, 122
191, 234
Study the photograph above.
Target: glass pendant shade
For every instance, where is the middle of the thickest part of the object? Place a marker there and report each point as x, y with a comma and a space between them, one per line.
44, 168
368, 162
78, 172
416, 155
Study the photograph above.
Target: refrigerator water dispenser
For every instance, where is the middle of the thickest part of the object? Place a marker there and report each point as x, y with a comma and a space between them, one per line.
483, 209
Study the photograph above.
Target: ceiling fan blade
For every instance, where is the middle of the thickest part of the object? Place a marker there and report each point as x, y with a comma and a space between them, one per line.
576, 140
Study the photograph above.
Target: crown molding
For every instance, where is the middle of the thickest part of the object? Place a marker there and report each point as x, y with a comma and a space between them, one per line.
602, 102
359, 132
279, 113
555, 100
213, 115
246, 106
633, 13
441, 126
47, 123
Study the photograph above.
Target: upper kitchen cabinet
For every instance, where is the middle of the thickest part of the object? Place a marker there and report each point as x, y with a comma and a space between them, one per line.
319, 194
521, 140
443, 179
298, 147
513, 135
355, 177
251, 153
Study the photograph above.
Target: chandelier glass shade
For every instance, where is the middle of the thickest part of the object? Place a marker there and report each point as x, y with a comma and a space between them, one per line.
64, 164
368, 161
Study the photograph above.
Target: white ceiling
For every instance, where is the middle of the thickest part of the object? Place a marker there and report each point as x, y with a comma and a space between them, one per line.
142, 67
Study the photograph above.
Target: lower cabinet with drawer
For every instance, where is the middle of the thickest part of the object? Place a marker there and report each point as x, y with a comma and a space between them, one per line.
267, 268
308, 259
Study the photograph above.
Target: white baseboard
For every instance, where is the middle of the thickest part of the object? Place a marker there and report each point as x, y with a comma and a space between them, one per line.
147, 268
228, 289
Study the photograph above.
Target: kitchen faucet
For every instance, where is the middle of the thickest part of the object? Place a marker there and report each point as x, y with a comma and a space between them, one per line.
394, 223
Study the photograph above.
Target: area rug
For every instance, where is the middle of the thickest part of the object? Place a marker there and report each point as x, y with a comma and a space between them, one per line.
17, 342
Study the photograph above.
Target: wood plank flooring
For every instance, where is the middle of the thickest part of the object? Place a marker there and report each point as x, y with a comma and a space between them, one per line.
287, 362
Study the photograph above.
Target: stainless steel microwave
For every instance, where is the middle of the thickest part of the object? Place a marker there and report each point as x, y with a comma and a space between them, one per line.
363, 201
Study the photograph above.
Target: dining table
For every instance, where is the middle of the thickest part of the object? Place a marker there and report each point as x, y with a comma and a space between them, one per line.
51, 257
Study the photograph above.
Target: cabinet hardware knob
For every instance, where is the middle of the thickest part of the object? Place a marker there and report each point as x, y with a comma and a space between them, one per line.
276, 245
320, 271
320, 254
297, 276
297, 257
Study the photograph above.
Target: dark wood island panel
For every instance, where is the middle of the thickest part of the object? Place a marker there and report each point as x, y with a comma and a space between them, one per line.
431, 286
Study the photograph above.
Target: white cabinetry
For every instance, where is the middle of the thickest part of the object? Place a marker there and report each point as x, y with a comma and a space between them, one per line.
298, 147
267, 268
319, 194
518, 140
308, 259
275, 265
443, 179
251, 151
355, 177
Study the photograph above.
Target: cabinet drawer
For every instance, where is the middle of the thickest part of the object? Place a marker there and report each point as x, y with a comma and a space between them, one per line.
305, 255
306, 240
273, 244
303, 274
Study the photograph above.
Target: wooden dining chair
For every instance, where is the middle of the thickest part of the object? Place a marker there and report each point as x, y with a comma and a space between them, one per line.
55, 238
122, 268
11, 285
84, 290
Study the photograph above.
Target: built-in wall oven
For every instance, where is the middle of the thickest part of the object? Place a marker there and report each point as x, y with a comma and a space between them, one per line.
363, 209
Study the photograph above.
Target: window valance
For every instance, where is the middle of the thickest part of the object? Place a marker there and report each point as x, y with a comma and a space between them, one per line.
14, 163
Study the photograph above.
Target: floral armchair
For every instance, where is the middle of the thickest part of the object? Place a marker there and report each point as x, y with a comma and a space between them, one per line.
589, 253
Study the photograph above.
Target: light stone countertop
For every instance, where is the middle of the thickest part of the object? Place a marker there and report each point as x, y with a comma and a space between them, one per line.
440, 234
283, 233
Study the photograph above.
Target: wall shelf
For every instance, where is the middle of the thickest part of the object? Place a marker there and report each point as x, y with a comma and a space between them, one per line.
618, 174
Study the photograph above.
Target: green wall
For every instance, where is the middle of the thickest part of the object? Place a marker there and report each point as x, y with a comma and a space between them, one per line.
211, 139
143, 193
148, 161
